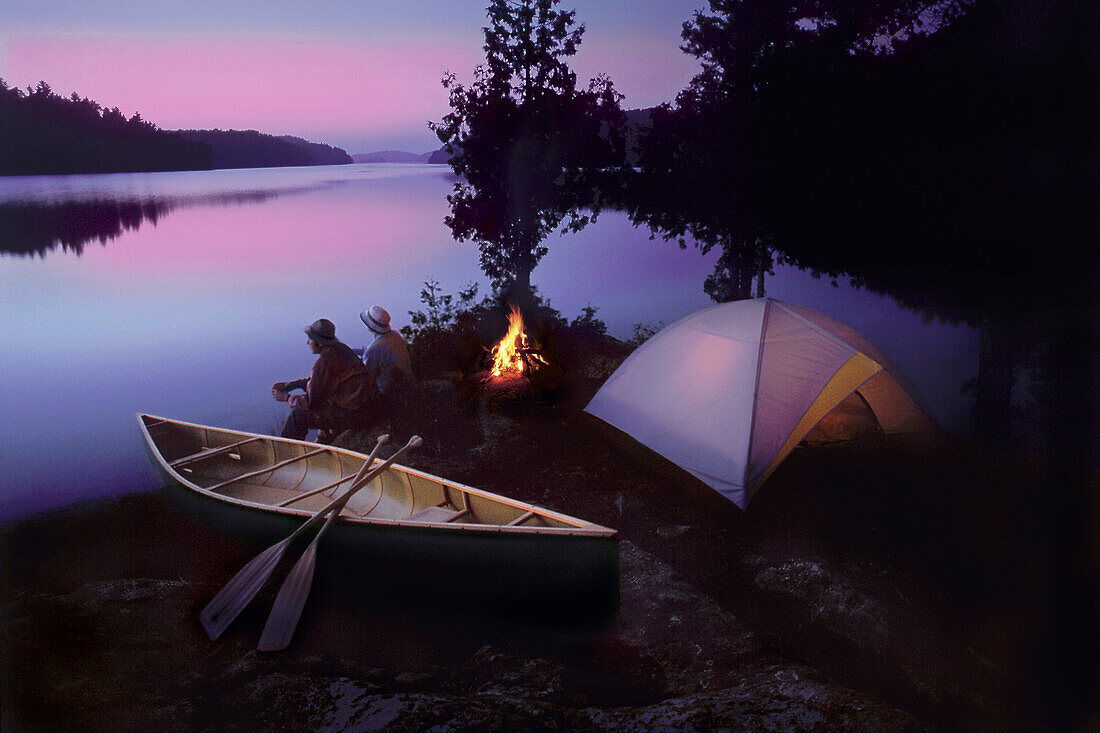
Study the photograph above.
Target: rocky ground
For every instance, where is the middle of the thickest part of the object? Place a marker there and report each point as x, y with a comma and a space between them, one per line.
864, 589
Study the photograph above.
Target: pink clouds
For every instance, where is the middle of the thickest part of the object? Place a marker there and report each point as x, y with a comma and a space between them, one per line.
276, 85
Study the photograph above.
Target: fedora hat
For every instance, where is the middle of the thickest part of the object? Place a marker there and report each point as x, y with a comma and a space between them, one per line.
322, 331
376, 319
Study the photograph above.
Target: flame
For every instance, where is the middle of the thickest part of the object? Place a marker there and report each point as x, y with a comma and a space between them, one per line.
512, 352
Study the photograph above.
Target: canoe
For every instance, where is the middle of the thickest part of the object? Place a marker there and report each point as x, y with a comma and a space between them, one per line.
408, 523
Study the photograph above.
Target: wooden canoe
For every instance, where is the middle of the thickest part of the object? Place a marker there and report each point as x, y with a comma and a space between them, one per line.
261, 487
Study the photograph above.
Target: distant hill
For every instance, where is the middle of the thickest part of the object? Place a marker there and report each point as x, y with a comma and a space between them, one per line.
323, 154
399, 156
440, 157
391, 156
252, 149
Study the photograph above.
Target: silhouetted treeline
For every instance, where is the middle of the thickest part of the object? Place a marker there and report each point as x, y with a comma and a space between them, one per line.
944, 174
945, 170
950, 170
441, 157
44, 133
252, 149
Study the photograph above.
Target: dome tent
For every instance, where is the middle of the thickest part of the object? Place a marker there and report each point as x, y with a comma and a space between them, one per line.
726, 393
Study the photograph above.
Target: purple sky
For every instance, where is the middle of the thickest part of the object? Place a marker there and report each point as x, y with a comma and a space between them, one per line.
360, 74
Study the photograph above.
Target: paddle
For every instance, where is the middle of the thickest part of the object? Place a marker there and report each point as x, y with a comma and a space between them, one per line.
243, 587
292, 596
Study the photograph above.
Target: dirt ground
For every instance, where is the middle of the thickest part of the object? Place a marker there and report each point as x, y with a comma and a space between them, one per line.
886, 585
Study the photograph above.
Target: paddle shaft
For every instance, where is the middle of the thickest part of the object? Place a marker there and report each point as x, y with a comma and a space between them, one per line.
243, 587
338, 504
357, 483
295, 589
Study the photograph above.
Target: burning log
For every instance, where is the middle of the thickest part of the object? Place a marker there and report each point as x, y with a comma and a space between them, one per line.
514, 357
516, 368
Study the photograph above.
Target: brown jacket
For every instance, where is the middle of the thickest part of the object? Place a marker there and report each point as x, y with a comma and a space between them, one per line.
338, 380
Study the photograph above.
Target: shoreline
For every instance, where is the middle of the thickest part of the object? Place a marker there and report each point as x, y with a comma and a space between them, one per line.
116, 644
768, 620
860, 590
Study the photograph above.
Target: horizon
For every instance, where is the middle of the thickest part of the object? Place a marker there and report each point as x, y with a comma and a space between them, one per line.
357, 76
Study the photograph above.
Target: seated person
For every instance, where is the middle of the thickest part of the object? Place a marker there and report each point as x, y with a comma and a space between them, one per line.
339, 392
387, 357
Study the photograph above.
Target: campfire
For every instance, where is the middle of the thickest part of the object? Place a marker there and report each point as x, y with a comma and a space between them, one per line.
515, 357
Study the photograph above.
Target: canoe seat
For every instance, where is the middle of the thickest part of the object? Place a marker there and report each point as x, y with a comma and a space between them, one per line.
432, 514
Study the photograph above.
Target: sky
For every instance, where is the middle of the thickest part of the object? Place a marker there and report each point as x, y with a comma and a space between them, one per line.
363, 75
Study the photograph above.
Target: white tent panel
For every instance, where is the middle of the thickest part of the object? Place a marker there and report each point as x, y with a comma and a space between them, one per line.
682, 373
727, 392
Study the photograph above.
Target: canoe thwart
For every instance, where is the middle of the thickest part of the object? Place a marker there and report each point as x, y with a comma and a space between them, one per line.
208, 452
268, 469
326, 487
520, 519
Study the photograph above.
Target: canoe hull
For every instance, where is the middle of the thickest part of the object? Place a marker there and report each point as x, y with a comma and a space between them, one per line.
490, 565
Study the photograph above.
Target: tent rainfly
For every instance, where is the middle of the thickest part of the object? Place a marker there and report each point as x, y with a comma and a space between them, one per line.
728, 392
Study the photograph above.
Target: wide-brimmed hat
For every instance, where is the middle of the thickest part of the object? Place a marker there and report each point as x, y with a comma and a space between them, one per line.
322, 331
377, 319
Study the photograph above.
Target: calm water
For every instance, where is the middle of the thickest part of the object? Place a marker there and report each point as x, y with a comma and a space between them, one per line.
185, 295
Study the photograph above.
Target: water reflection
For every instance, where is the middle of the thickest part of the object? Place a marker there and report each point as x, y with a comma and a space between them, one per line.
197, 304
36, 228
32, 229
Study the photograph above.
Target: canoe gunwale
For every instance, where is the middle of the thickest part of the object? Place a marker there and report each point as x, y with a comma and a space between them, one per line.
579, 528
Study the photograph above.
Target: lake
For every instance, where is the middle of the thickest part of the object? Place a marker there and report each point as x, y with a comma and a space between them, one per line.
185, 295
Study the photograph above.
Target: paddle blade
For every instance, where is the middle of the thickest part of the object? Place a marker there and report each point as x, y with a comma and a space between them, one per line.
289, 603
240, 590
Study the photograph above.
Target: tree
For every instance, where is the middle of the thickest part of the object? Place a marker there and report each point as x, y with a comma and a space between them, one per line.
704, 158
942, 153
531, 151
929, 150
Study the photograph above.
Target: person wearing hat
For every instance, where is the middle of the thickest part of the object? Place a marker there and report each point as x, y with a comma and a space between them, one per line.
387, 358
339, 392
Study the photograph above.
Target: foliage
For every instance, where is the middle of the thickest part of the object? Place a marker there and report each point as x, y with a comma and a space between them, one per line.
587, 323
453, 334
940, 174
532, 152
708, 161
932, 150
441, 313
643, 332
924, 148
44, 133
435, 334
